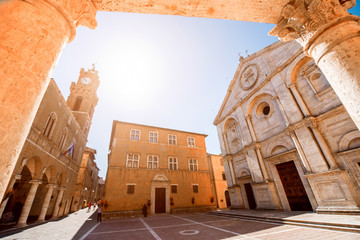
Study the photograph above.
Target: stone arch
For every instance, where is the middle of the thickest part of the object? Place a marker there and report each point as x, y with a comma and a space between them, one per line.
294, 68
275, 147
51, 174
244, 172
347, 141
35, 167
258, 100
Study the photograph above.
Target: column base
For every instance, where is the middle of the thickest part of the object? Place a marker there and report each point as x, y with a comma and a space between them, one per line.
40, 221
335, 192
266, 196
21, 225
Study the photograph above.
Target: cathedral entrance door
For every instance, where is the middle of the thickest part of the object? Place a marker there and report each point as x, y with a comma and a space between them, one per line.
250, 196
294, 189
160, 200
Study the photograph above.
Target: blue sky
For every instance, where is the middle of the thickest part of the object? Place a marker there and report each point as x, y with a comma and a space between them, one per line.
164, 71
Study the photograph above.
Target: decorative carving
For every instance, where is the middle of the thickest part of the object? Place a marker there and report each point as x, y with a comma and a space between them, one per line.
249, 76
80, 12
301, 19
160, 178
310, 122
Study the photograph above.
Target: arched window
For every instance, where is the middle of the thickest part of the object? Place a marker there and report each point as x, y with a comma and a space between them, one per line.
233, 137
77, 103
63, 138
50, 125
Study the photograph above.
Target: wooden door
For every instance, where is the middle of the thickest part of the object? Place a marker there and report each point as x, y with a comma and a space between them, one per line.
294, 189
160, 200
250, 196
227, 198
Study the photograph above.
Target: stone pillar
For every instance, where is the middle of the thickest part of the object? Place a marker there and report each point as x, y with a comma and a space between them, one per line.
262, 163
330, 160
28, 202
58, 200
299, 100
251, 128
46, 202
330, 35
11, 185
33, 34
300, 151
232, 171
286, 119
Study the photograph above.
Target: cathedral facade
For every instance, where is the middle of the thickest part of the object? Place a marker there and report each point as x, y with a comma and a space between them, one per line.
287, 141
43, 183
164, 169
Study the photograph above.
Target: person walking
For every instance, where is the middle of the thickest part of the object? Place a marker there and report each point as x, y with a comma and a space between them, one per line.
144, 210
89, 207
99, 212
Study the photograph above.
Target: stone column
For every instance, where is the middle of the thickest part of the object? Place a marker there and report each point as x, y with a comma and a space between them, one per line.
33, 34
28, 202
330, 160
46, 202
231, 166
262, 163
330, 35
299, 100
300, 151
58, 200
251, 128
286, 119
11, 185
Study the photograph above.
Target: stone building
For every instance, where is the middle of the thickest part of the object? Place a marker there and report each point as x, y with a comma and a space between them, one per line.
163, 168
87, 181
43, 181
218, 181
100, 190
287, 141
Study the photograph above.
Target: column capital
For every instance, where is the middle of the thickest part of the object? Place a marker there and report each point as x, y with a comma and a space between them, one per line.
290, 131
35, 181
51, 185
17, 176
79, 12
302, 19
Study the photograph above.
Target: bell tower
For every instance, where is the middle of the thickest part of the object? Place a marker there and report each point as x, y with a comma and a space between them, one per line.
83, 98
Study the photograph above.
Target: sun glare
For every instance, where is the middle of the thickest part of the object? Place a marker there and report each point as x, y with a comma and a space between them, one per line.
132, 70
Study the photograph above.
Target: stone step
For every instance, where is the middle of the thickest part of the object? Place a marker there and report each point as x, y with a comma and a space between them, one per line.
304, 223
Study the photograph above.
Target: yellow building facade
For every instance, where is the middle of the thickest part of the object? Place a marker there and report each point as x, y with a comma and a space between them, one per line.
163, 168
87, 181
218, 181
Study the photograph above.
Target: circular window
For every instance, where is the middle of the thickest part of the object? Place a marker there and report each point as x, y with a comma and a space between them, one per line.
263, 109
266, 110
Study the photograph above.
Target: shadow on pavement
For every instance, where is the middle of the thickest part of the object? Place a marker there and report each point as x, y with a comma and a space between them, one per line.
89, 223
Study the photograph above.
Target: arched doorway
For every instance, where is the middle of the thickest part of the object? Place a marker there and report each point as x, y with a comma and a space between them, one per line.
227, 198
